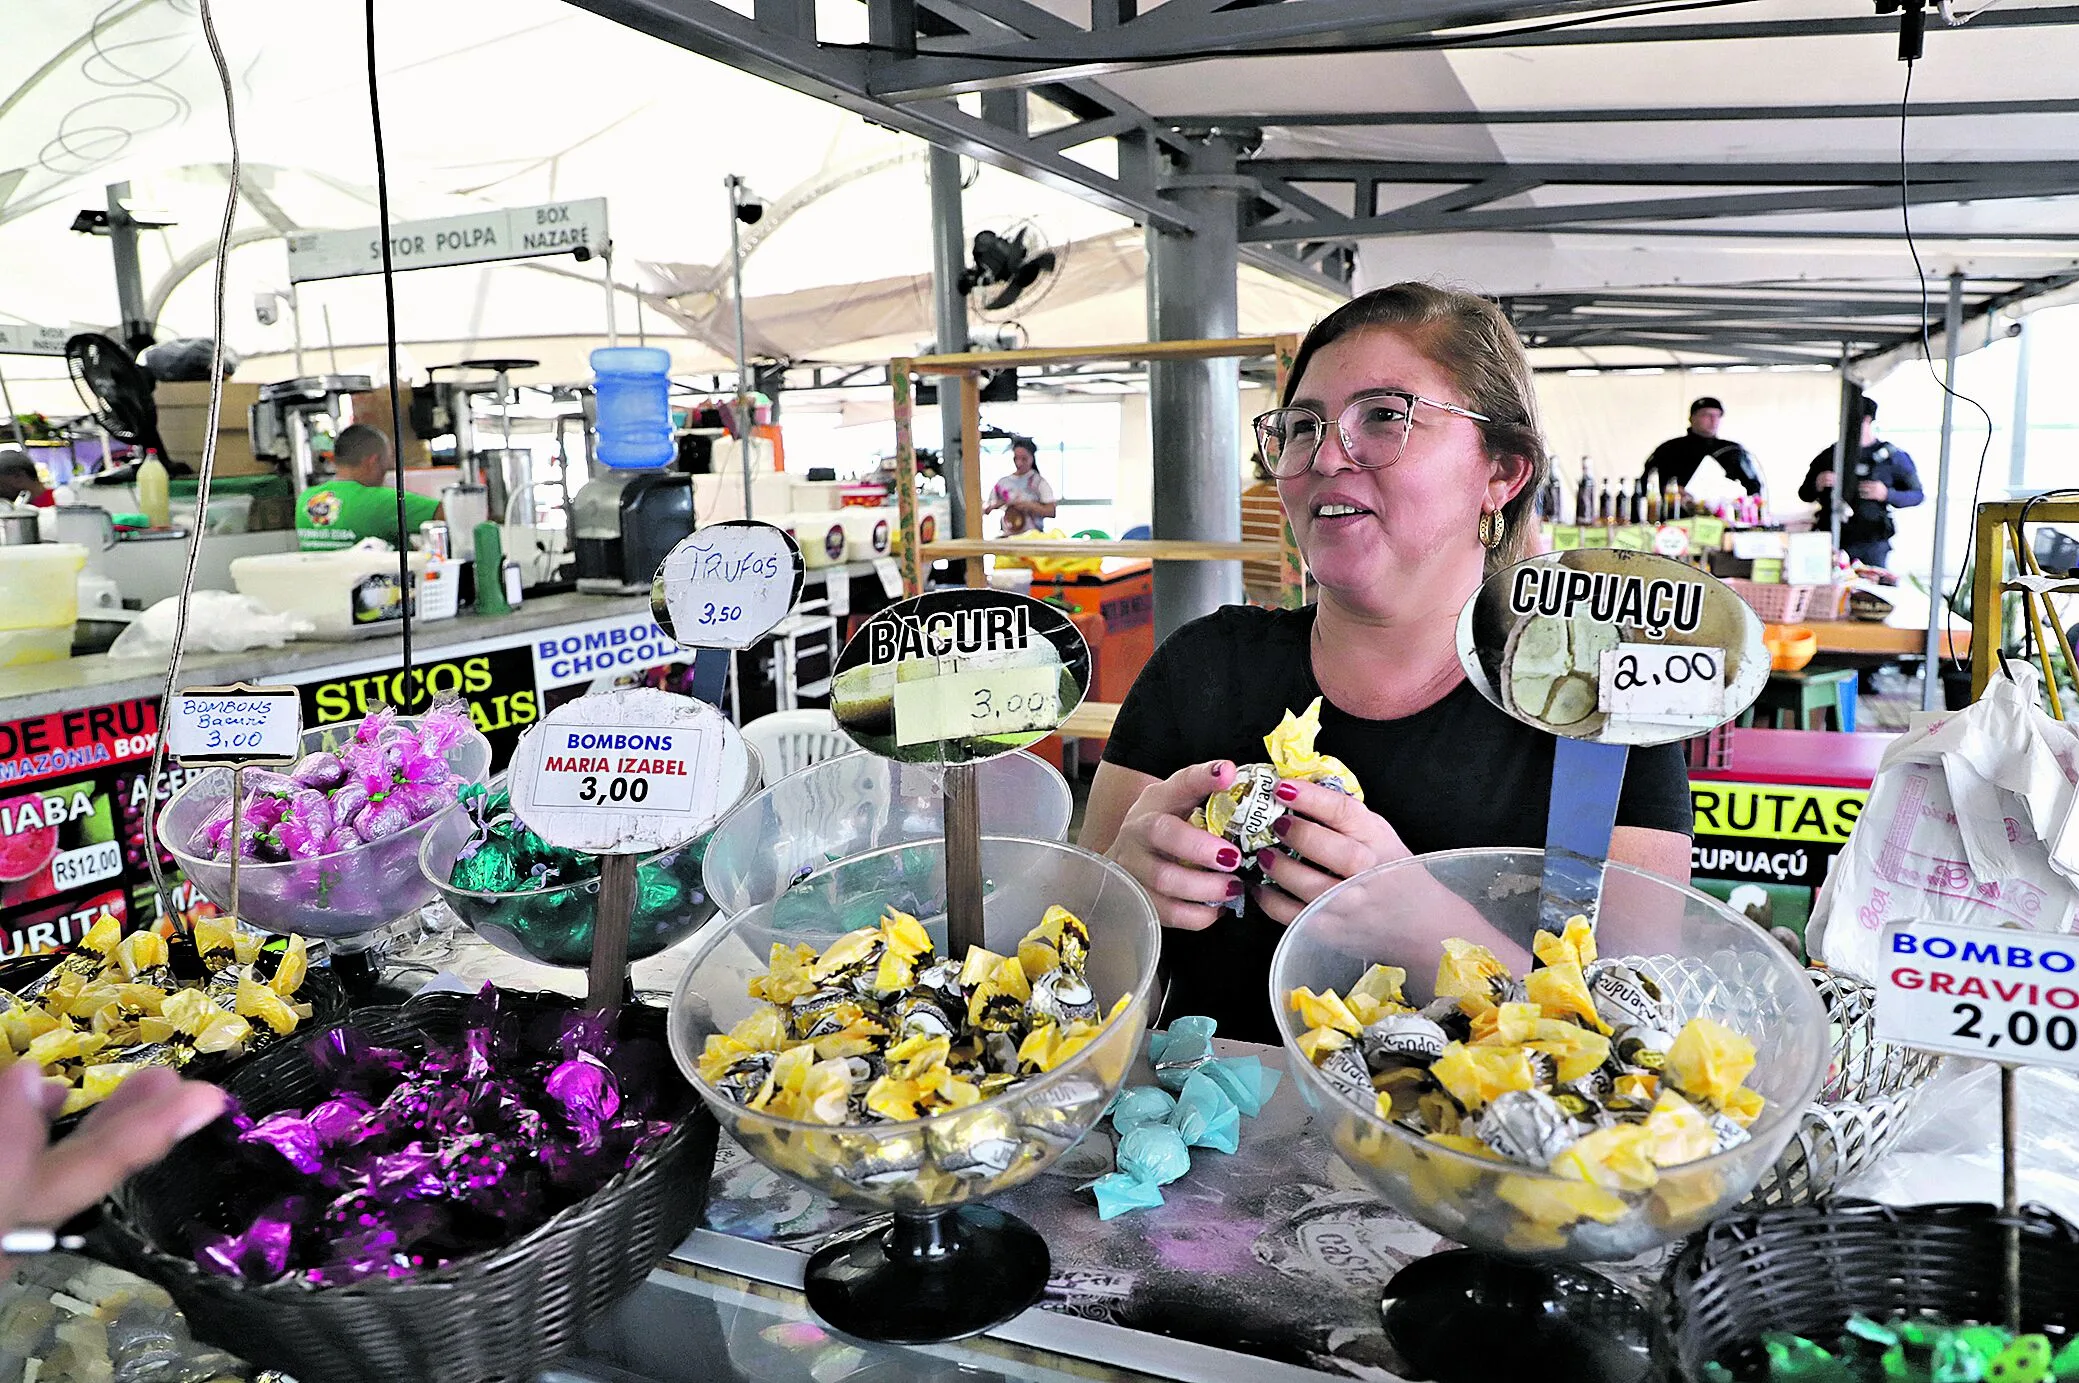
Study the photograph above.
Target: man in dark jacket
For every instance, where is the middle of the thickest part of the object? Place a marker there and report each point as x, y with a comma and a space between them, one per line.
1678, 458
1884, 480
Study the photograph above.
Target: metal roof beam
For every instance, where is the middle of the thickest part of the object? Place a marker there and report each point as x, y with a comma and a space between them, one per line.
1663, 174
1627, 115
1844, 26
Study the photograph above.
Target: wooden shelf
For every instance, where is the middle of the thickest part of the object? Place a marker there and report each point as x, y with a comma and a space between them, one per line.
1086, 547
1093, 720
1865, 636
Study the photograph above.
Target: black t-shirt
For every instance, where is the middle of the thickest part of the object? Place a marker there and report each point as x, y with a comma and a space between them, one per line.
1679, 458
1458, 773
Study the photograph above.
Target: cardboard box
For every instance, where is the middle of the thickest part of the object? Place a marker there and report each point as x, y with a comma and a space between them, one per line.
184, 420
373, 408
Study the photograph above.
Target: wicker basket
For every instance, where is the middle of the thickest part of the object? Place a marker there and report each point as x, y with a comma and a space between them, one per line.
1774, 601
1808, 1269
497, 1316
1870, 1088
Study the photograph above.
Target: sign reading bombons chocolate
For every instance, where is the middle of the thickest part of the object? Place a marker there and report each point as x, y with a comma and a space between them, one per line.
960, 675
727, 585
1613, 647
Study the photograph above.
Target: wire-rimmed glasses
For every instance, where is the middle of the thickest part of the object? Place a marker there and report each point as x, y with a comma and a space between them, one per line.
1373, 430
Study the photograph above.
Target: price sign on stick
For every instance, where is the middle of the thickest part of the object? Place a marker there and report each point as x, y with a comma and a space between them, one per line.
623, 774
235, 727
2000, 994
727, 585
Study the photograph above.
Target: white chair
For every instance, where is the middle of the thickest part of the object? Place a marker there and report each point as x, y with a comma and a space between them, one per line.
789, 741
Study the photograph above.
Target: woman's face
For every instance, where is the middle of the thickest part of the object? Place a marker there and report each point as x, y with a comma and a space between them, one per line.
1366, 532
1022, 459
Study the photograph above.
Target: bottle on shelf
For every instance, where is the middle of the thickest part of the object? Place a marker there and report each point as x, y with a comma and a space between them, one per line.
1606, 506
154, 494
1637, 507
1653, 505
1671, 503
1584, 495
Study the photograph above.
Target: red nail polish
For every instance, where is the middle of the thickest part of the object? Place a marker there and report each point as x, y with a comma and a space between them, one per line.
1228, 858
1282, 825
1234, 888
1288, 792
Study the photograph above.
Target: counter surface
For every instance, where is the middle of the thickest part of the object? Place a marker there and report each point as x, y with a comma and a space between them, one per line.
42, 688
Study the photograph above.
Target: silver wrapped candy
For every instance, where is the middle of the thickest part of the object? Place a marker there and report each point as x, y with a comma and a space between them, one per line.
980, 1145
1062, 996
1525, 1126
810, 1009
1642, 1047
1627, 997
887, 1162
919, 1014
1402, 1037
1727, 1131
1345, 1070
742, 1078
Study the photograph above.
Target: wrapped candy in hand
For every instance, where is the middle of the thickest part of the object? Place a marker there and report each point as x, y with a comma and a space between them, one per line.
1244, 811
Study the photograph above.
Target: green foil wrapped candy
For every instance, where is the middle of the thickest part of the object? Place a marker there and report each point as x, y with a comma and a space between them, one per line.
1794, 1359
491, 868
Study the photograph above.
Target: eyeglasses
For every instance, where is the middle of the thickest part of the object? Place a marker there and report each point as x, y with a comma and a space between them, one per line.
1373, 430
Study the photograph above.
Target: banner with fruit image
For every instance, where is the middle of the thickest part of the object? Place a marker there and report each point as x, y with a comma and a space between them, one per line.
56, 839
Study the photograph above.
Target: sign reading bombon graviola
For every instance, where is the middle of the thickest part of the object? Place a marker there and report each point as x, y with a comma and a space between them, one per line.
957, 676
1613, 647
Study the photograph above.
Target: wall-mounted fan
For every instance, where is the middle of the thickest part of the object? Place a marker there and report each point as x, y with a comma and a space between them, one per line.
1016, 268
116, 391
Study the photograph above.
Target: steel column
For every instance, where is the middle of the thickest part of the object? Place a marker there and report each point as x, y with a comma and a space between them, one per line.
2017, 443
129, 276
948, 259
1194, 405
1937, 607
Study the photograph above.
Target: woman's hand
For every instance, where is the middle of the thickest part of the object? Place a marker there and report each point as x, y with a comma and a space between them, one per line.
1336, 836
44, 1183
1188, 872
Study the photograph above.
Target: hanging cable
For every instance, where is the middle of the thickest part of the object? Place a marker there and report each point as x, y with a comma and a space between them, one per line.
1927, 354
382, 216
208, 469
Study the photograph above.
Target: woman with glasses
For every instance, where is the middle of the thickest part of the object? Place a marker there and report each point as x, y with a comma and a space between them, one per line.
1407, 455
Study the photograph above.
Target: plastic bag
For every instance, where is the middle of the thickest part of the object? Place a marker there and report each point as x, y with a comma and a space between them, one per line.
218, 622
1970, 821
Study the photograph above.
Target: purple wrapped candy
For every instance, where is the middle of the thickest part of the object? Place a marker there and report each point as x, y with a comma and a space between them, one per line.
292, 1136
583, 1088
319, 769
265, 782
372, 726
380, 819
342, 1120
313, 809
261, 1254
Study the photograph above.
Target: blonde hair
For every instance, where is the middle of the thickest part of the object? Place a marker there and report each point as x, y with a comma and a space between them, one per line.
1473, 342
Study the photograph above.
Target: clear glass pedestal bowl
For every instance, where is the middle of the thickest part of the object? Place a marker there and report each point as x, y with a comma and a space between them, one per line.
857, 803
337, 897
553, 926
945, 1266
1521, 1221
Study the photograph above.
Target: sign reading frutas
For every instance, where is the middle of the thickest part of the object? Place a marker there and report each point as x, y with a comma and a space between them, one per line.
1614, 647
957, 676
627, 772
235, 726
1999, 994
727, 585
478, 238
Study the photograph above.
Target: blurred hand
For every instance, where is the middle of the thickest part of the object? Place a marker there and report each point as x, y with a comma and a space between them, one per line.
1872, 489
1188, 872
44, 1183
1825, 481
1335, 835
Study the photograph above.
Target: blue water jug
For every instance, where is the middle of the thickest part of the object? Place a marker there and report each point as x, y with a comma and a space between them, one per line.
634, 388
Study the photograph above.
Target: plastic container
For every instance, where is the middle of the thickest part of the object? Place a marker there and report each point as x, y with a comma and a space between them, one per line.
633, 385
42, 585
859, 803
349, 594
20, 647
1790, 646
345, 894
869, 533
554, 925
1708, 962
821, 537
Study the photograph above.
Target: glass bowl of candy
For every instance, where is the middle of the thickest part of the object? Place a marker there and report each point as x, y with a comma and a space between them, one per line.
858, 803
1582, 1095
536, 901
330, 846
874, 1066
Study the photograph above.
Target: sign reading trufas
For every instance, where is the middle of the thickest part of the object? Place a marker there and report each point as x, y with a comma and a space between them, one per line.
478, 238
1999, 994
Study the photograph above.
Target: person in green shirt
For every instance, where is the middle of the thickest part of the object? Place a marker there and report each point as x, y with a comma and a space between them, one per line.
357, 504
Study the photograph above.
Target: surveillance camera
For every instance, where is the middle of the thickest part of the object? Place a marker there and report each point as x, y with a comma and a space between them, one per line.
268, 308
2013, 328
582, 253
751, 210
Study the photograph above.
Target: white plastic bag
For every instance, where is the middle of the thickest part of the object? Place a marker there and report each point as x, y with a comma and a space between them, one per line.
1969, 821
218, 622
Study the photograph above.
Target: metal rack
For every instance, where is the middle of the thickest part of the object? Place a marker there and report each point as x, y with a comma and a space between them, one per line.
965, 371
1999, 526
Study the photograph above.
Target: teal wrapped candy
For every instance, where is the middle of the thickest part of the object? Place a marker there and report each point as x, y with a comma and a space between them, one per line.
1206, 1117
1141, 1104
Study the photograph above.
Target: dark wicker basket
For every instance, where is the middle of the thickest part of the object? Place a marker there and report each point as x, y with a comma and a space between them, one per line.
1808, 1269
321, 990
499, 1315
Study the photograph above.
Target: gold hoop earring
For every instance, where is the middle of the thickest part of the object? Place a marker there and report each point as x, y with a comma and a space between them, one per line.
1493, 527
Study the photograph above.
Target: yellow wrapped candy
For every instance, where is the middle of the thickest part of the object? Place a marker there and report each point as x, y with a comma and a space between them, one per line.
1562, 992
58, 1044
1575, 943
1618, 1158
1642, 1086
103, 936
245, 945
997, 1001
1060, 940
847, 952
258, 1001
860, 1037
141, 951
1505, 1025
1743, 1106
789, 974
1325, 1010
1475, 1075
1468, 969
1292, 752
1575, 1050
1552, 1204
214, 935
223, 1032
1047, 1046
188, 1010
295, 964
1679, 1131
1708, 1061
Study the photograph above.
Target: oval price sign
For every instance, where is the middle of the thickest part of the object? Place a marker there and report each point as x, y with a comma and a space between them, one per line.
957, 676
1615, 647
727, 585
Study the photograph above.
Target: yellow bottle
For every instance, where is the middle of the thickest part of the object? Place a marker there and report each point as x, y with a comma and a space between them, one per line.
152, 494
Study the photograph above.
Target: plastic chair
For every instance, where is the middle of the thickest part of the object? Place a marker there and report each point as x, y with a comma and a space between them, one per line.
1138, 533
789, 741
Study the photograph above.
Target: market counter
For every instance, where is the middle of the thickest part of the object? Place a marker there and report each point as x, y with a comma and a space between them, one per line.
76, 737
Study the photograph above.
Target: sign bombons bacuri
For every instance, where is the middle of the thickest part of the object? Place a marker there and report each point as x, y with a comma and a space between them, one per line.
637, 770
237, 727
